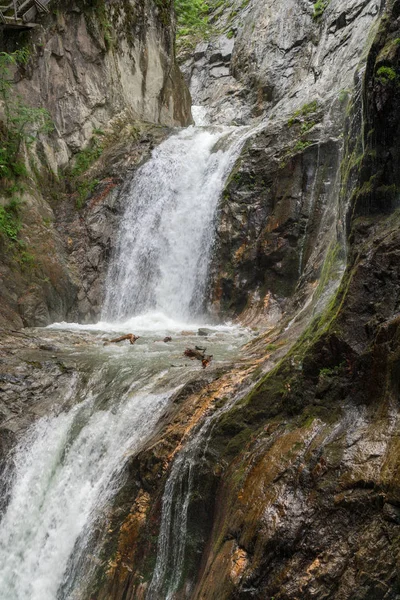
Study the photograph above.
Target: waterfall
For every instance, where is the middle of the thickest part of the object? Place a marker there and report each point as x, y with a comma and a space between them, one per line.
66, 469
171, 546
163, 249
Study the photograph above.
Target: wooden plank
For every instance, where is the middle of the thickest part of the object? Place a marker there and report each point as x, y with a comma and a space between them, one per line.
25, 5
18, 26
41, 6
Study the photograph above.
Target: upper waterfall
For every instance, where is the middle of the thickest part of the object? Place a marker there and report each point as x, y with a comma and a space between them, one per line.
163, 249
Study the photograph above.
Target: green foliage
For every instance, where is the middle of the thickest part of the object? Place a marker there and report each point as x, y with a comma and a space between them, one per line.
10, 223
86, 157
319, 8
83, 161
304, 111
84, 189
307, 125
22, 123
300, 145
191, 14
24, 258
386, 75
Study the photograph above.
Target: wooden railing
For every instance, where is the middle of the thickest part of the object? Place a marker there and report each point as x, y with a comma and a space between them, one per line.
22, 13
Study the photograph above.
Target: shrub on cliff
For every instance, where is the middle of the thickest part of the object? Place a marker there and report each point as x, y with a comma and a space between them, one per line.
20, 123
191, 15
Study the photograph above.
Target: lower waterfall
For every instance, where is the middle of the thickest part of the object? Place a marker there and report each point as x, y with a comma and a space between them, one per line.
68, 466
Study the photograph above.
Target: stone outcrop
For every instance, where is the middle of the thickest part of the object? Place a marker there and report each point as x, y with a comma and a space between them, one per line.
92, 61
100, 69
293, 76
296, 493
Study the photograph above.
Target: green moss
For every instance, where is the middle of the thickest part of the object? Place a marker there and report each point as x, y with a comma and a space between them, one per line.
344, 96
304, 111
86, 157
10, 223
301, 145
307, 126
84, 190
332, 263
319, 8
386, 75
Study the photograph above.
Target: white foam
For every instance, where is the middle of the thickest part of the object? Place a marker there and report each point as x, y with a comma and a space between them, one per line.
151, 323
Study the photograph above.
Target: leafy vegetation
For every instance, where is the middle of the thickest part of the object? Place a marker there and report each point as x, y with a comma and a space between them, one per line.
386, 75
10, 224
86, 157
192, 15
319, 8
21, 125
303, 112
83, 161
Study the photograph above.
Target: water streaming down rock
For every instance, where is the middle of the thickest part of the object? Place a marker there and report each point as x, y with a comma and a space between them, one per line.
172, 537
68, 466
163, 249
66, 469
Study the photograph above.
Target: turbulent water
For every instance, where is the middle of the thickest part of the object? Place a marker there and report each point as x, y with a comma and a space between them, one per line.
67, 468
163, 248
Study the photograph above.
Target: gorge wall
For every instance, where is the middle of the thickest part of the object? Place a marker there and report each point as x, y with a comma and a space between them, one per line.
295, 494
106, 74
288, 457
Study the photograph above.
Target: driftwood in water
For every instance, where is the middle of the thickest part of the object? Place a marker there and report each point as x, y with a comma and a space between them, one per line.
130, 336
206, 361
199, 353
194, 354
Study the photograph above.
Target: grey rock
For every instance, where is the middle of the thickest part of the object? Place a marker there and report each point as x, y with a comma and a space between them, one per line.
200, 51
218, 72
204, 331
391, 513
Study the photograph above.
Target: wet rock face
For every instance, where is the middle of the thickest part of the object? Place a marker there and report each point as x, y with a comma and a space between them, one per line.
273, 57
381, 160
69, 247
92, 62
89, 235
311, 500
94, 67
278, 217
301, 477
281, 216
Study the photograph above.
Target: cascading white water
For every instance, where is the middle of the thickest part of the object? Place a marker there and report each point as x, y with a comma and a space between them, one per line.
68, 466
163, 248
65, 472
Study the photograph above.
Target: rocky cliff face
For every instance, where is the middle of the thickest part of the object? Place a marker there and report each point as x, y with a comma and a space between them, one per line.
294, 487
92, 61
96, 67
296, 492
294, 71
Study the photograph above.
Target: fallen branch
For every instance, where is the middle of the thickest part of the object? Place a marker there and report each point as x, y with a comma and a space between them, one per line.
130, 336
195, 353
199, 353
